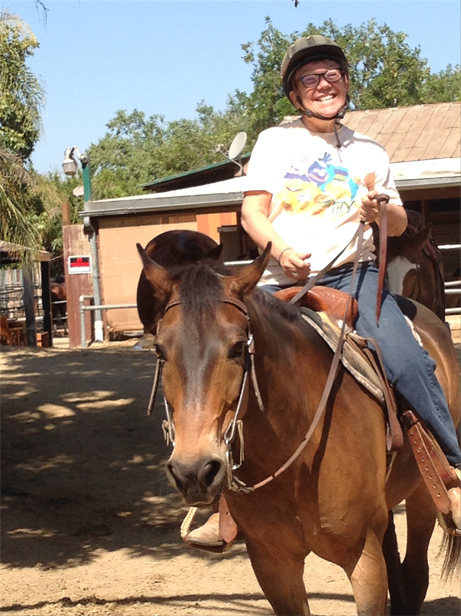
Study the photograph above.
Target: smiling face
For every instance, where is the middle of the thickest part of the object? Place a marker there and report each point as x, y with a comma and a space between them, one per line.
325, 99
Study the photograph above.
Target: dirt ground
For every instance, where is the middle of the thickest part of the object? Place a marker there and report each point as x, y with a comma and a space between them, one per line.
89, 523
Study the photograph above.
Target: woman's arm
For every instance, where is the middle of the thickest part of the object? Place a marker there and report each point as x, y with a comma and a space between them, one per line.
255, 221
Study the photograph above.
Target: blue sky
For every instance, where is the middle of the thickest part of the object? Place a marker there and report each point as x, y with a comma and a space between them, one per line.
164, 57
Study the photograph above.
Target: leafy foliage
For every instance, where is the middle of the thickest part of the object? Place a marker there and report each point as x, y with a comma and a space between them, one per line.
384, 71
139, 149
21, 95
14, 187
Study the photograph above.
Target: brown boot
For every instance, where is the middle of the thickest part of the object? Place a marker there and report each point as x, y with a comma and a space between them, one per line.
454, 494
207, 536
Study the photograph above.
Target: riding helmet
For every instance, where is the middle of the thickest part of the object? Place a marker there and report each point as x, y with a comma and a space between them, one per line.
309, 49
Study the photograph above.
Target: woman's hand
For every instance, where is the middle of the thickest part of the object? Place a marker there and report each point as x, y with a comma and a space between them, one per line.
396, 216
295, 264
369, 210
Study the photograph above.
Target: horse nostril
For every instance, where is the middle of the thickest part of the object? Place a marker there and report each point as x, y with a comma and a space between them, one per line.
176, 478
210, 471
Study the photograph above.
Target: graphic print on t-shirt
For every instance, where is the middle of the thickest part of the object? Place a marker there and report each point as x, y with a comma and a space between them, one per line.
319, 188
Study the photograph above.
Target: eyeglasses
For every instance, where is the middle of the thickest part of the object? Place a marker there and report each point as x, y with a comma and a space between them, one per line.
313, 79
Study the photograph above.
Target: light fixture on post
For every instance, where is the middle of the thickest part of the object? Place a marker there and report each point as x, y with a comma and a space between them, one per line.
69, 166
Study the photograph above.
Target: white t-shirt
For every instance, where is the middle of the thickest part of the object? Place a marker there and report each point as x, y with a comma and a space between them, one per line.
316, 190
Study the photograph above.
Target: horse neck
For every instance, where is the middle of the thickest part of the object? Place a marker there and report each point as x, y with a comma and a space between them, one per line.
290, 362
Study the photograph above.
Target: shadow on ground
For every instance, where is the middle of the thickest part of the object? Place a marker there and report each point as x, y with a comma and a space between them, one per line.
82, 464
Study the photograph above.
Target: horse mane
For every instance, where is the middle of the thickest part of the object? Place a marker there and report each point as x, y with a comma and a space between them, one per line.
288, 312
200, 287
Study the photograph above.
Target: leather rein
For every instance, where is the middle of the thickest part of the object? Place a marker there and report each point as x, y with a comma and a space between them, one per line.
235, 427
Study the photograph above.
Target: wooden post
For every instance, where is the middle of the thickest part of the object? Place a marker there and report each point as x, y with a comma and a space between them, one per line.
65, 212
29, 301
46, 300
75, 242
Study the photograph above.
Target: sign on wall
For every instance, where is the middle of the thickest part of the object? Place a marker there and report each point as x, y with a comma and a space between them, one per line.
79, 264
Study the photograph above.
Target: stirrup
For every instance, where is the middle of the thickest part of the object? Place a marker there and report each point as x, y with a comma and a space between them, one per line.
227, 529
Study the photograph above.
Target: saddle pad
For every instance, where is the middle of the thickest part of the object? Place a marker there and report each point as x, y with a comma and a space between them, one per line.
351, 358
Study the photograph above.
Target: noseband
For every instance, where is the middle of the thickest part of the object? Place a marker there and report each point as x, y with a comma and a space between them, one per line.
235, 427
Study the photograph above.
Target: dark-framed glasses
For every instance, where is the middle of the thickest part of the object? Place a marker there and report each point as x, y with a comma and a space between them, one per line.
313, 79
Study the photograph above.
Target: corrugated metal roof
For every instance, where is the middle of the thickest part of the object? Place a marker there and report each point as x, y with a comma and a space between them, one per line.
419, 132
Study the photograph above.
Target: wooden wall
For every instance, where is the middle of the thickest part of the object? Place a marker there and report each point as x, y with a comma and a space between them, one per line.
120, 265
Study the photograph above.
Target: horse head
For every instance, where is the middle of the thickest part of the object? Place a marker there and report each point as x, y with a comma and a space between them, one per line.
171, 249
202, 342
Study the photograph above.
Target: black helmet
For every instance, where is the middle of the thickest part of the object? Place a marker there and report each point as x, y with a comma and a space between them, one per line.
309, 49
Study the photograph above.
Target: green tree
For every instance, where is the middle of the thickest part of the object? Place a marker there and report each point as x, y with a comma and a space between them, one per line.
15, 184
138, 149
445, 86
21, 94
21, 97
385, 71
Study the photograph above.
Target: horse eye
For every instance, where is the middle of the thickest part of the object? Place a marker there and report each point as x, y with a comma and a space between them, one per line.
160, 352
237, 350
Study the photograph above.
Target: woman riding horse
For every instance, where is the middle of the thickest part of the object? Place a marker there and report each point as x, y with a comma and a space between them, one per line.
310, 183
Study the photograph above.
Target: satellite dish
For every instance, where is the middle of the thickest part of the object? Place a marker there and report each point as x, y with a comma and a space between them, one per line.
237, 145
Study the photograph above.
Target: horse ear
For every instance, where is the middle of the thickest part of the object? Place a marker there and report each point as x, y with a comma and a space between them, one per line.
420, 238
214, 253
156, 275
245, 280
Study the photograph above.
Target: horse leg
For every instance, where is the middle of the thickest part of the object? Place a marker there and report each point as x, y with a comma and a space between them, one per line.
394, 569
415, 567
280, 576
369, 579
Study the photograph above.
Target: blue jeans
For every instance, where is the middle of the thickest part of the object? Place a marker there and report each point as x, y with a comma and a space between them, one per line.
408, 366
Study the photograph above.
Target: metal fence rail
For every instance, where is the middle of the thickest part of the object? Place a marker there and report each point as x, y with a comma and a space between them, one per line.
452, 287
93, 308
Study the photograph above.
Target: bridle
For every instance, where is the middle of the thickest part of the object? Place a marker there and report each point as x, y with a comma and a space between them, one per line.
235, 427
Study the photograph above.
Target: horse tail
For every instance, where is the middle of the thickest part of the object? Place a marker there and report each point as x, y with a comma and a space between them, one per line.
451, 548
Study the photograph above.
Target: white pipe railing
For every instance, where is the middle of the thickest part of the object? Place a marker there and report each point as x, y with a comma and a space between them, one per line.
93, 308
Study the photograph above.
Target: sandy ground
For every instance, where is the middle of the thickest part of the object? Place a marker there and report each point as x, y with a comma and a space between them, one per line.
89, 524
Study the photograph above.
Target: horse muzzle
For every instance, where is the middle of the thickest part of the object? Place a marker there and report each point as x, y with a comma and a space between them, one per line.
198, 480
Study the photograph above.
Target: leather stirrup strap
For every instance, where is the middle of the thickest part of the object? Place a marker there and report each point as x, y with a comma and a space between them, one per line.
438, 475
227, 526
394, 436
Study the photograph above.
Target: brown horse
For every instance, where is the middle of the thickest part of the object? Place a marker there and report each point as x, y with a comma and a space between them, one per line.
59, 305
415, 266
334, 499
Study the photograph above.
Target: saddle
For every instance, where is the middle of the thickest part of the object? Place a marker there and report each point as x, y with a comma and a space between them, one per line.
366, 365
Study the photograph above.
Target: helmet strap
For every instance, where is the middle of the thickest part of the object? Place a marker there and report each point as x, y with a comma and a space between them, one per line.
339, 116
